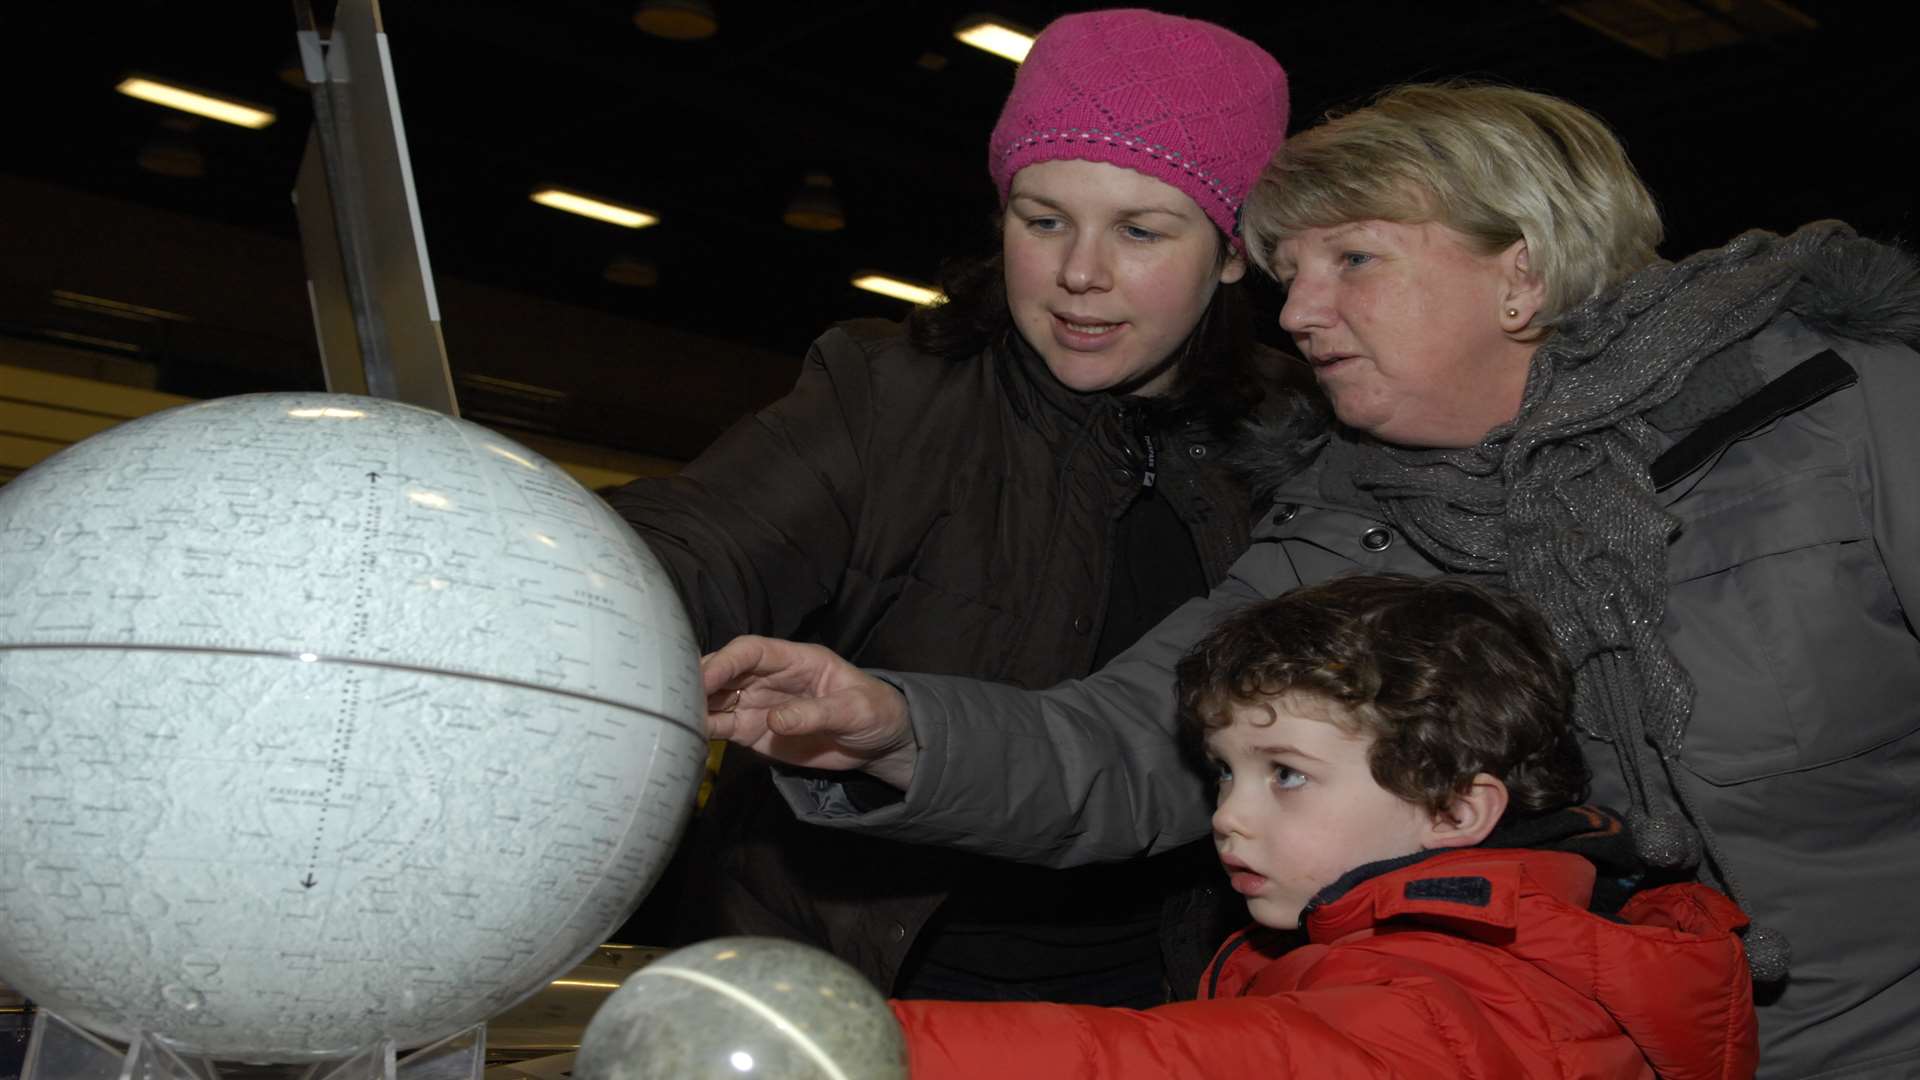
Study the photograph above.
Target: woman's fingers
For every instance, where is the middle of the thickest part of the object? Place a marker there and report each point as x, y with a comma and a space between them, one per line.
748, 674
805, 706
866, 715
863, 726
749, 659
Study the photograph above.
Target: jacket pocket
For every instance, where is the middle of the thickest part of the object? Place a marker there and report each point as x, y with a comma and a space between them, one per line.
1782, 614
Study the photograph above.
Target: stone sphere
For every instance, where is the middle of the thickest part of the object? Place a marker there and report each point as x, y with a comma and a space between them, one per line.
324, 720
744, 1007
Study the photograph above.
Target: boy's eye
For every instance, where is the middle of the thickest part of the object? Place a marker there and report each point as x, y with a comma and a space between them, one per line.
1286, 778
1221, 773
1354, 258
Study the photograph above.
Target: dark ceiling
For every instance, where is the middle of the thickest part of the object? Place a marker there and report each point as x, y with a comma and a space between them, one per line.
716, 136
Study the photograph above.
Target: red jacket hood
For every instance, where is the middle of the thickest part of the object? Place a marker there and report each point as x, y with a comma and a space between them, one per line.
1669, 968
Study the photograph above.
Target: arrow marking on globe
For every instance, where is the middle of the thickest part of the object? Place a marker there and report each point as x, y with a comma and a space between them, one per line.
347, 726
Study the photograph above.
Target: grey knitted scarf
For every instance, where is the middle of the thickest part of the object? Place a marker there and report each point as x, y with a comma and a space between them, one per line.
1558, 503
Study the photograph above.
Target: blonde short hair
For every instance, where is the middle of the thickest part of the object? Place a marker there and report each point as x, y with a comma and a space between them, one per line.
1491, 162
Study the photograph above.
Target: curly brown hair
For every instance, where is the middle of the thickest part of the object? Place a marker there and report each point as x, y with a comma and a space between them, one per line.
1449, 679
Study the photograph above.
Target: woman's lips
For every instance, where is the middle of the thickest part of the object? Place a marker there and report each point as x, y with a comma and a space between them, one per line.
1086, 335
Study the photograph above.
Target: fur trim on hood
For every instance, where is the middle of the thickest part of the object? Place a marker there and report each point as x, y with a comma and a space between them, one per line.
1861, 290
1852, 288
1284, 437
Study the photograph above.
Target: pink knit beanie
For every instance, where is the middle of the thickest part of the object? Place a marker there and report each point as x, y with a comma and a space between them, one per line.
1183, 101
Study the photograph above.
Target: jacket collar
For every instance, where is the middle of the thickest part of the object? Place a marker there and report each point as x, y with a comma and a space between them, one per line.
1035, 393
1470, 885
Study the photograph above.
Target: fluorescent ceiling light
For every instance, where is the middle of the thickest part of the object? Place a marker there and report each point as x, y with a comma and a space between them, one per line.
898, 289
192, 101
598, 209
995, 36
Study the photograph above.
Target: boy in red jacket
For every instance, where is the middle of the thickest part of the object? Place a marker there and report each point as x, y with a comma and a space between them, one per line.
1398, 790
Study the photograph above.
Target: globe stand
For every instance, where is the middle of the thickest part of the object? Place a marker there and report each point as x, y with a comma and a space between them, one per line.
60, 1050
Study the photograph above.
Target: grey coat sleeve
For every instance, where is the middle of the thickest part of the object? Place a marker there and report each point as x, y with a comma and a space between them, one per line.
1890, 390
756, 532
1087, 771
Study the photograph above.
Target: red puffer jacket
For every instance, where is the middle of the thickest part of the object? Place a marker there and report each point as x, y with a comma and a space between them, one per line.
1472, 963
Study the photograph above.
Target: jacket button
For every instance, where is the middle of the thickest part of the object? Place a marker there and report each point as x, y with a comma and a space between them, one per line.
1376, 539
1196, 451
1082, 624
1285, 513
1123, 475
898, 932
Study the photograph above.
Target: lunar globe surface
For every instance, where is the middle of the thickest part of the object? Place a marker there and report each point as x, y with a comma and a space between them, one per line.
736, 1007
324, 720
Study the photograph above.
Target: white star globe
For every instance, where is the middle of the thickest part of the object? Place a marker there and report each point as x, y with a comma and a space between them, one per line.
324, 720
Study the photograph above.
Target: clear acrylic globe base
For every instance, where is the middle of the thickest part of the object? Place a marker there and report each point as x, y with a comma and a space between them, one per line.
59, 1050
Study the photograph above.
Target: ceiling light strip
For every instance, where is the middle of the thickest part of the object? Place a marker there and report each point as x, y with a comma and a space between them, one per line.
996, 36
193, 101
898, 288
599, 209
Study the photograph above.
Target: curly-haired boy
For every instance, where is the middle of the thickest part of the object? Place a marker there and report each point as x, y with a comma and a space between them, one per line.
1399, 791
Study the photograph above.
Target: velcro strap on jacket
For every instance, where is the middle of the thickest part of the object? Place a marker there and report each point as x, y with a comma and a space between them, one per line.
1808, 382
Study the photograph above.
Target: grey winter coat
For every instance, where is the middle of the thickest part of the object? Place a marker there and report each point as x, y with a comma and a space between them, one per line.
1793, 577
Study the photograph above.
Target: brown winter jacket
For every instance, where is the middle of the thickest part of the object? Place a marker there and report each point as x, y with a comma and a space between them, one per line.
923, 514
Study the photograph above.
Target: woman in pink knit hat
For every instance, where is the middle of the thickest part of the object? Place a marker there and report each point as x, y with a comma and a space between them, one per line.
1013, 485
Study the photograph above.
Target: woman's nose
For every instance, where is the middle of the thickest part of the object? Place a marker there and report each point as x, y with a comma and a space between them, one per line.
1084, 267
1307, 307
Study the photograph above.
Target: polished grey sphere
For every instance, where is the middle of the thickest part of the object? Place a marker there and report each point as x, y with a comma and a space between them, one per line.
744, 1007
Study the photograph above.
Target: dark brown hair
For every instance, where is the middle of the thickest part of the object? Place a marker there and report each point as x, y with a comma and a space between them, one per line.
1449, 679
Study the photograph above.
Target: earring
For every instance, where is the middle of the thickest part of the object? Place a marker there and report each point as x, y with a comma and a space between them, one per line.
1513, 313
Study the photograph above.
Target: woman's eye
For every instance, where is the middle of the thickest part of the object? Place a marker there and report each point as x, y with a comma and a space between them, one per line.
1221, 773
1288, 779
1045, 224
1135, 232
